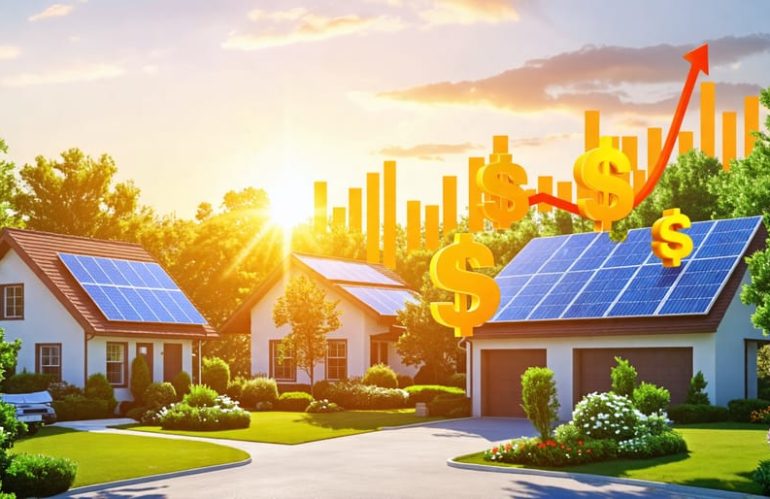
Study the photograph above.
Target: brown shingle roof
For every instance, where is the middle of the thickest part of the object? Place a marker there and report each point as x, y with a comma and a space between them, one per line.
40, 250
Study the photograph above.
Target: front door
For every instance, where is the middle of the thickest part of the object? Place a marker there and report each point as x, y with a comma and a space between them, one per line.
172, 360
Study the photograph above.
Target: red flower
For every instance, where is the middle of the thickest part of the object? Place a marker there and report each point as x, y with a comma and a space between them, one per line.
580, 443
494, 450
541, 445
562, 446
551, 443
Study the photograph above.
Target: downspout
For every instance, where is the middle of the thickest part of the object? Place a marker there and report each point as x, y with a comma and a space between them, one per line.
469, 365
86, 338
200, 360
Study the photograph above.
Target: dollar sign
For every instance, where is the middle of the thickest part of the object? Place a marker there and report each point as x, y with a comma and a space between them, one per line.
502, 179
668, 243
448, 271
599, 170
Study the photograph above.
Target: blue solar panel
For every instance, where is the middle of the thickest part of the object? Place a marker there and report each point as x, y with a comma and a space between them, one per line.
533, 256
132, 291
600, 292
633, 251
528, 297
565, 256
358, 272
385, 301
596, 254
560, 296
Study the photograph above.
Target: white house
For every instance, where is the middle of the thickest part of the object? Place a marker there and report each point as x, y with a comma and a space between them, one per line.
369, 299
572, 303
82, 306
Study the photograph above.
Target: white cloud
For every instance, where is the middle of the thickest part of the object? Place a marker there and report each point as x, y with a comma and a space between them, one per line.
55, 10
469, 12
77, 74
9, 52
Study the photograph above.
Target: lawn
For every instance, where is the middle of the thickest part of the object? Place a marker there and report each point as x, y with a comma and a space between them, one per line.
277, 427
722, 456
105, 457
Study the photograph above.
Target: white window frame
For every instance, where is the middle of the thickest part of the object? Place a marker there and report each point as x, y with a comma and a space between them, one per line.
122, 363
337, 357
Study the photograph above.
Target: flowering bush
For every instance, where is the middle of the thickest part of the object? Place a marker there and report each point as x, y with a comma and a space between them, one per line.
649, 445
654, 424
224, 414
323, 406
551, 452
760, 416
606, 415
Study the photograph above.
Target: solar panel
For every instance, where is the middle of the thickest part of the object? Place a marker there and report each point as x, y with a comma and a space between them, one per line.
590, 276
336, 270
385, 301
131, 291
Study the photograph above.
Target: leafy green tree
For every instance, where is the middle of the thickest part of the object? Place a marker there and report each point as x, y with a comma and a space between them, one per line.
623, 377
539, 401
311, 316
8, 188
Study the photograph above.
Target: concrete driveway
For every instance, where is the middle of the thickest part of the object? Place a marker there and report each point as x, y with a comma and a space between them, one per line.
408, 462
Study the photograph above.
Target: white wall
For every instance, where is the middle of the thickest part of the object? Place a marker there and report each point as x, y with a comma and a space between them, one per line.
45, 321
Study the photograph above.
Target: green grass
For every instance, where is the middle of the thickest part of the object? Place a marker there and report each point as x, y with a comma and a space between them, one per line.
277, 427
722, 456
105, 457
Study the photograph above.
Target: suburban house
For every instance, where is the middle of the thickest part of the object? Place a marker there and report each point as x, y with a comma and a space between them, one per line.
82, 306
369, 297
574, 302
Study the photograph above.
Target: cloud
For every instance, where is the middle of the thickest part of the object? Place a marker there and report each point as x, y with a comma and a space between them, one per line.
279, 28
594, 77
55, 10
541, 141
433, 152
9, 52
77, 74
469, 12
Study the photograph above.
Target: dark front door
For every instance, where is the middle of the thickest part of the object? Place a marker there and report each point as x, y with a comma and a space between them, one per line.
145, 350
501, 372
172, 360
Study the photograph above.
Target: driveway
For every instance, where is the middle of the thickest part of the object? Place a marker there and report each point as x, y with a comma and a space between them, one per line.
407, 462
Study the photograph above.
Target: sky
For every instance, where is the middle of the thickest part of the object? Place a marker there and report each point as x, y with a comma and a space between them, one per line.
194, 98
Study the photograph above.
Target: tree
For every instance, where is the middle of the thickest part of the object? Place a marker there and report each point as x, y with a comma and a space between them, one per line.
8, 189
539, 401
311, 316
140, 378
623, 377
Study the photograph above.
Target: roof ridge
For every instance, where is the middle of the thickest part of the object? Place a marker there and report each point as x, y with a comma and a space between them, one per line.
71, 236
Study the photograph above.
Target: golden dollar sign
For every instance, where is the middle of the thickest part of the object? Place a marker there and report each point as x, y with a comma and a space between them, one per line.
668, 243
502, 181
600, 171
476, 295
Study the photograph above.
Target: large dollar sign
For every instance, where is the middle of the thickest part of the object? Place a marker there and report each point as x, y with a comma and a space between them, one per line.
502, 181
599, 171
668, 243
476, 295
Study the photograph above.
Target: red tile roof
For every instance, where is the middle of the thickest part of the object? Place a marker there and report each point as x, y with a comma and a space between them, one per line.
40, 250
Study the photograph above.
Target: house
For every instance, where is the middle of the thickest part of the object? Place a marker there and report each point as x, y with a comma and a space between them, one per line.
82, 306
369, 297
574, 302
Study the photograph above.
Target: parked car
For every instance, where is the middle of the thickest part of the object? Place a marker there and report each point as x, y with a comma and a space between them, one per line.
32, 408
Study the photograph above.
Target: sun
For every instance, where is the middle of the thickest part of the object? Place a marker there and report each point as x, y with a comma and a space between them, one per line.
287, 209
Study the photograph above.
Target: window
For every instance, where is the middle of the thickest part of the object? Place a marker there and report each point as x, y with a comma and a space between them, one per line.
336, 359
378, 353
48, 359
117, 367
13, 301
281, 368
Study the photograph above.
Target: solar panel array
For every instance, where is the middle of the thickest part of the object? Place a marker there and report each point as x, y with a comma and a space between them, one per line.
131, 291
385, 301
340, 270
588, 276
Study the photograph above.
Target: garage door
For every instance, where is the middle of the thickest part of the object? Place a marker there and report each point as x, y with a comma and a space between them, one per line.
669, 367
501, 372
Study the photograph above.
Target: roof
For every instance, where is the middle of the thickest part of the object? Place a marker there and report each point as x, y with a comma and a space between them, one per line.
584, 284
40, 251
373, 288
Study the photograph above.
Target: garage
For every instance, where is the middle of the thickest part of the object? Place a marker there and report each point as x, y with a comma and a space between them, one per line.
668, 367
501, 372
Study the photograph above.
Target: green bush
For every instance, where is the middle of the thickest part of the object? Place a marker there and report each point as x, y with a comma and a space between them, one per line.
380, 375
352, 395
158, 395
294, 401
136, 413
140, 377
654, 424
426, 393
235, 388
692, 413
200, 396
294, 387
223, 414
647, 446
322, 389
566, 433
650, 399
61, 389
26, 382
97, 387
264, 406
761, 476
404, 380
623, 377
323, 406
605, 415
538, 396
450, 405
77, 407
181, 382
10, 427
259, 390
696, 393
538, 452
741, 409
458, 380
35, 475
216, 374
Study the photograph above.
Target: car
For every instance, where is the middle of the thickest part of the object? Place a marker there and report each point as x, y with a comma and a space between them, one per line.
32, 408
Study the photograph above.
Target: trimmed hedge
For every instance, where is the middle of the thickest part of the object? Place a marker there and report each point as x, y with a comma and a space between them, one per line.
216, 374
293, 387
358, 396
380, 375
35, 475
76, 407
294, 401
700, 413
26, 382
181, 382
450, 405
741, 409
259, 390
426, 393
158, 395
140, 378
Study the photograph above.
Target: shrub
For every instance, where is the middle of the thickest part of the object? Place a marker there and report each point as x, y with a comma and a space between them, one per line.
696, 394
294, 387
690, 413
181, 382
216, 374
605, 415
649, 398
200, 396
26, 382
136, 413
380, 375
741, 409
294, 401
259, 390
158, 395
623, 377
35, 475
11, 427
426, 393
458, 380
97, 387
654, 424
264, 406
140, 377
761, 476
551, 452
323, 406
404, 380
761, 416
646, 446
61, 389
357, 396
455, 406
223, 414
538, 396
76, 407
322, 389
566, 433
235, 389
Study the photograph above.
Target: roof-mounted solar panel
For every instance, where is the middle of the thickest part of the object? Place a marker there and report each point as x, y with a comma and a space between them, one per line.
337, 270
385, 301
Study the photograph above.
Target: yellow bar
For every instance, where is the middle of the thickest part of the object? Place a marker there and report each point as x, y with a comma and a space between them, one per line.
450, 203
591, 130
630, 147
475, 213
431, 227
338, 217
319, 218
685, 142
389, 215
544, 184
412, 225
728, 138
564, 191
654, 144
354, 207
707, 113
616, 142
373, 217
750, 122
640, 176
500, 144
